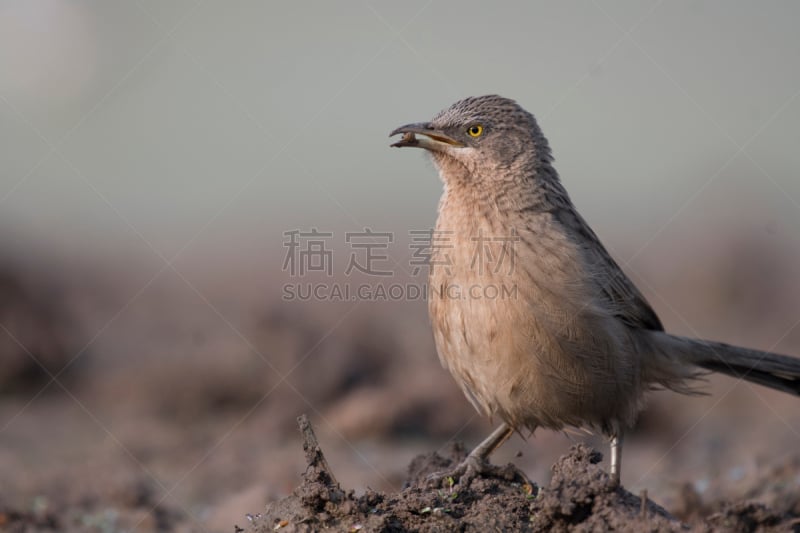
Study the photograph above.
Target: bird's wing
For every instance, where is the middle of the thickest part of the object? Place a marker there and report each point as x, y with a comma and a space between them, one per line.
621, 296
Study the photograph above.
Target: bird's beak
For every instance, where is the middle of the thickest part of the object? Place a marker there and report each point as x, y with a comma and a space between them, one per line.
431, 138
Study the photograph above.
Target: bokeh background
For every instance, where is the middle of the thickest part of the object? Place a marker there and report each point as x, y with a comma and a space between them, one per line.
153, 156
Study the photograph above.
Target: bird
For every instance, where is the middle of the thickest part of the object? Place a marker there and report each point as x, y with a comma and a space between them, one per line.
564, 339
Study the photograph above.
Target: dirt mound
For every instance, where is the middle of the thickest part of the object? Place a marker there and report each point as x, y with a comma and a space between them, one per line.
579, 497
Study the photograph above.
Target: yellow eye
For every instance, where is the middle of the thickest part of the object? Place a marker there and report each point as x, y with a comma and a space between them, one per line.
475, 131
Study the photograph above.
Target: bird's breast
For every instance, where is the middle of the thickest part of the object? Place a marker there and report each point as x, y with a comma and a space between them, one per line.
511, 318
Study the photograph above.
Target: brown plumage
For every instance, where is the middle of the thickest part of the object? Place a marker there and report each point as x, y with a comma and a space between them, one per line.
558, 335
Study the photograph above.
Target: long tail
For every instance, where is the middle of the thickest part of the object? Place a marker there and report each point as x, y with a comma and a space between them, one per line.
776, 371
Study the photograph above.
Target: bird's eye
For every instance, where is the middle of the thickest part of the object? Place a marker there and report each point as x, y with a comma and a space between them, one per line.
475, 131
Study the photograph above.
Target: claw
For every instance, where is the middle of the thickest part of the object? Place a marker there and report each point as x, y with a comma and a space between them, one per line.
473, 467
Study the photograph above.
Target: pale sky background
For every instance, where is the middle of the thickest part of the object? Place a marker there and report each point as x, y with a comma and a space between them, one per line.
146, 128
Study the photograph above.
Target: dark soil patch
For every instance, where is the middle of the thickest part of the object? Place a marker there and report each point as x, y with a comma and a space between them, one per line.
579, 498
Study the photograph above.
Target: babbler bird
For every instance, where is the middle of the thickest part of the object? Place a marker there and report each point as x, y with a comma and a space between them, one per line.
563, 338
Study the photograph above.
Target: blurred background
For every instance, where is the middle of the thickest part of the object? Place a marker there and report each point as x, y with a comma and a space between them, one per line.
157, 157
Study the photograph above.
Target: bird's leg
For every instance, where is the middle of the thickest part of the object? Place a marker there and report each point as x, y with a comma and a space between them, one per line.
616, 457
483, 450
477, 462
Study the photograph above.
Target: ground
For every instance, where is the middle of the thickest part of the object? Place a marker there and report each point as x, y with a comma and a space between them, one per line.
579, 497
130, 410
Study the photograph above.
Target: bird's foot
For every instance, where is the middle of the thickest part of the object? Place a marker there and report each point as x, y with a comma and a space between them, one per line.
473, 467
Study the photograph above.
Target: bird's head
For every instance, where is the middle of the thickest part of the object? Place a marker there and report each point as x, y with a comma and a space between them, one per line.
482, 135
